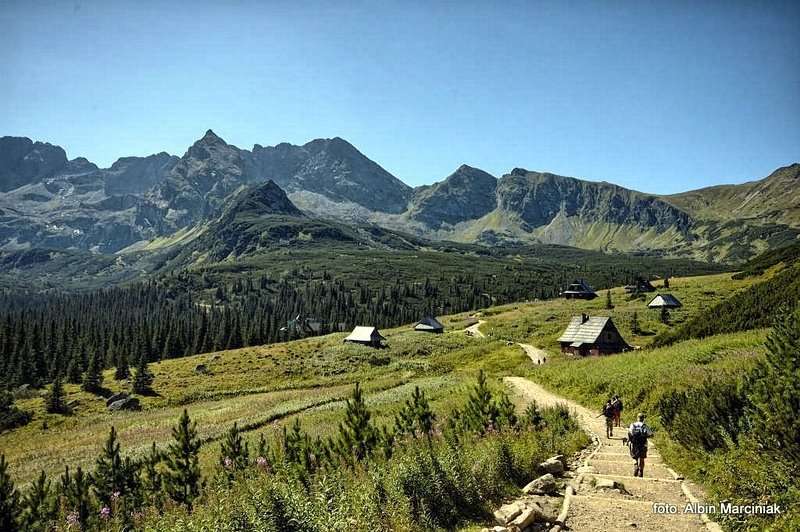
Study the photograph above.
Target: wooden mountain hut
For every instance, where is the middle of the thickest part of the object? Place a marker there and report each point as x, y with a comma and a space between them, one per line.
429, 324
640, 285
595, 335
366, 336
579, 289
665, 301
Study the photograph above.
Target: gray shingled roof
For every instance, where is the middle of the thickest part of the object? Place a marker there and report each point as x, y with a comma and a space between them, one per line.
579, 332
428, 323
665, 300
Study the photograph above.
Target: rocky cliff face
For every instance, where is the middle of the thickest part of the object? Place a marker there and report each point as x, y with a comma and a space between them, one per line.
23, 161
334, 169
466, 194
539, 197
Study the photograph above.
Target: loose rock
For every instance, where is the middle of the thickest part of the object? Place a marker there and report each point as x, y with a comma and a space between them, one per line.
129, 403
554, 466
507, 512
116, 397
541, 486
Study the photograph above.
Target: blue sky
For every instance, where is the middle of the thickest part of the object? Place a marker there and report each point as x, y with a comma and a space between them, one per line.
657, 96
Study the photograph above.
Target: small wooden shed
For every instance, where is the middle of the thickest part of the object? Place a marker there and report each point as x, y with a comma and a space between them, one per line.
579, 289
665, 301
366, 336
429, 324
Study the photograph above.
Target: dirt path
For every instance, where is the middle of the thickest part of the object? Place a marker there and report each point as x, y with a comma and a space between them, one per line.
474, 330
598, 509
537, 356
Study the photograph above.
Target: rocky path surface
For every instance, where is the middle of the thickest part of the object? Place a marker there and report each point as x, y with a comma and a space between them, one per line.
604, 496
537, 356
474, 330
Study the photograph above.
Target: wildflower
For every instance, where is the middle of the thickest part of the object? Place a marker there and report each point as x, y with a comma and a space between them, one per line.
262, 463
115, 495
227, 462
105, 513
73, 519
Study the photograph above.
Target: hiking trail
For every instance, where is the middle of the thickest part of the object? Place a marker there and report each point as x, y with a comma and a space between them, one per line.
537, 356
593, 508
474, 331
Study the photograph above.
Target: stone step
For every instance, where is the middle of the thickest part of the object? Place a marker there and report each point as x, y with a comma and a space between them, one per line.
638, 489
626, 468
648, 479
611, 515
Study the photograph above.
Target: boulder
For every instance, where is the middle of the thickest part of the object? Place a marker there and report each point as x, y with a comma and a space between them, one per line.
527, 517
119, 396
553, 465
543, 485
201, 369
129, 403
507, 512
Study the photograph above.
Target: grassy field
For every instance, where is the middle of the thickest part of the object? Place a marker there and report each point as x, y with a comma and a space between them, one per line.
540, 323
260, 388
263, 388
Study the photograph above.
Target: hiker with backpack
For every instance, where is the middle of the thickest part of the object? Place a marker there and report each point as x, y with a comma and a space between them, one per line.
616, 402
638, 434
608, 413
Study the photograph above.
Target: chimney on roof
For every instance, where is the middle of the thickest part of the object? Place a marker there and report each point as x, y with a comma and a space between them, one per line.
584, 318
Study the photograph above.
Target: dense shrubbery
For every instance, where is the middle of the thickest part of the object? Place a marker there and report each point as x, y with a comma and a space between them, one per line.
746, 429
420, 474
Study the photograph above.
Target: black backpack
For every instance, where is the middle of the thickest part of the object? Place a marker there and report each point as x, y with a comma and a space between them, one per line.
638, 436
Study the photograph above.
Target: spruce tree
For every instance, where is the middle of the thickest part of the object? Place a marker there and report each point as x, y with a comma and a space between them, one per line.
480, 413
776, 391
55, 402
93, 379
39, 504
9, 499
182, 478
416, 417
74, 370
77, 500
506, 412
233, 454
122, 370
357, 436
109, 475
151, 480
142, 378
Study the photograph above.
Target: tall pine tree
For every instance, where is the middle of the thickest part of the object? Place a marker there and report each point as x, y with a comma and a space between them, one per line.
55, 402
93, 379
182, 479
357, 436
142, 378
9, 499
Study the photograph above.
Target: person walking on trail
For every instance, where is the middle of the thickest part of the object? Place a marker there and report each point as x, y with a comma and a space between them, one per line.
638, 434
616, 402
608, 413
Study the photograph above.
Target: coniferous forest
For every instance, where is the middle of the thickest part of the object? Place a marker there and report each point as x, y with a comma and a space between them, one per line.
45, 334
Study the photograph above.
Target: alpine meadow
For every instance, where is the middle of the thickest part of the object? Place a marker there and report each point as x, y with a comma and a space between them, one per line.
373, 297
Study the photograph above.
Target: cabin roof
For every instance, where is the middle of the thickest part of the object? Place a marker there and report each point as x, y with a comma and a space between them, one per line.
364, 334
665, 300
584, 332
579, 286
428, 323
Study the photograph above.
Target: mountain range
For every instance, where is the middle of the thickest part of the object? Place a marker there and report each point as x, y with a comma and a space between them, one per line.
326, 188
